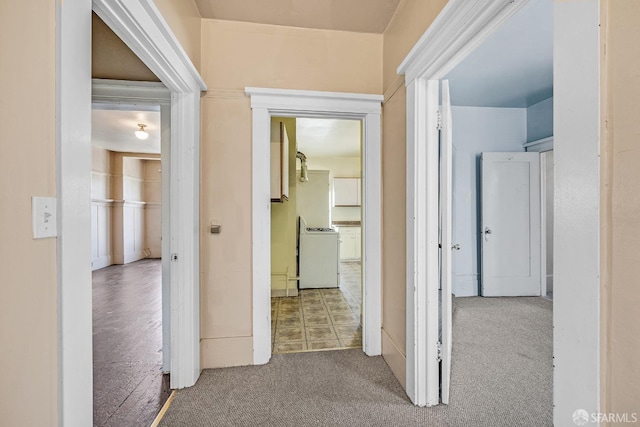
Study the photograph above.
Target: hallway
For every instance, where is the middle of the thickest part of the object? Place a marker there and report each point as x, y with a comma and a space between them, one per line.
502, 377
128, 386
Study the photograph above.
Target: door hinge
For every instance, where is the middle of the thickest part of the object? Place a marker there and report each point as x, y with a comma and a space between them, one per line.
439, 346
439, 120
174, 257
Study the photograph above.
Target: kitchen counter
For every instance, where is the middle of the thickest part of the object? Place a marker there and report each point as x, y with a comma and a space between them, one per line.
346, 223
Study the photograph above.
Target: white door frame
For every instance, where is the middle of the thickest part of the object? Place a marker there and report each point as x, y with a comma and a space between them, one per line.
542, 146
141, 26
266, 103
576, 234
460, 27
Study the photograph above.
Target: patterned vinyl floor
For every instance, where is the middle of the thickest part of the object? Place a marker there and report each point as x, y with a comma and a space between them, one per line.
320, 319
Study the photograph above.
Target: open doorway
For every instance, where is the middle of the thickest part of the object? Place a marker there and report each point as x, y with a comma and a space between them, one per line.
130, 382
149, 37
440, 55
501, 115
502, 101
267, 103
316, 234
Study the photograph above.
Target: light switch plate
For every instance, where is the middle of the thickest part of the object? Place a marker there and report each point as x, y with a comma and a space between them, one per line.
44, 218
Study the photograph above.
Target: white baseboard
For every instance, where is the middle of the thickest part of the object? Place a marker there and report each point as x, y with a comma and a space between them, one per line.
133, 256
101, 262
465, 286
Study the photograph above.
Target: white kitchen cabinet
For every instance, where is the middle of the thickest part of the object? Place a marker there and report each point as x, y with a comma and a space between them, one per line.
346, 192
279, 163
350, 243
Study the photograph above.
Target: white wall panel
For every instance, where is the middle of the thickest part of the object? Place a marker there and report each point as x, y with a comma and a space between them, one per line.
101, 238
133, 232
153, 230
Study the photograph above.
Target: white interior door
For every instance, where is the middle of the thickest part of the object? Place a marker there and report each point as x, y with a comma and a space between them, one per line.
510, 230
446, 165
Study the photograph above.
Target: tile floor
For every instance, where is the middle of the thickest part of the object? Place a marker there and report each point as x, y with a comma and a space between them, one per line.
319, 319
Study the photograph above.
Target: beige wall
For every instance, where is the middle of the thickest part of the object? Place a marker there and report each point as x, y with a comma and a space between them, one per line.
112, 59
408, 24
291, 58
133, 178
620, 209
393, 233
152, 196
225, 196
411, 20
100, 173
183, 17
28, 293
152, 191
265, 56
100, 159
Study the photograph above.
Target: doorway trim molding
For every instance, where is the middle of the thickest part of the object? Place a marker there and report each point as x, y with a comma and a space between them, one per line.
141, 26
460, 27
266, 103
576, 346
542, 146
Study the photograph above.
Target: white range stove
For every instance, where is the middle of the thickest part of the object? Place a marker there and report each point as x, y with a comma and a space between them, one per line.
319, 256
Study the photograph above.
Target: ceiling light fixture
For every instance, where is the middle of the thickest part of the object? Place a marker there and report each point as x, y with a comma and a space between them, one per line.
142, 134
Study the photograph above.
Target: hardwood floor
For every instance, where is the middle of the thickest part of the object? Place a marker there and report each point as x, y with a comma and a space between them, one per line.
129, 388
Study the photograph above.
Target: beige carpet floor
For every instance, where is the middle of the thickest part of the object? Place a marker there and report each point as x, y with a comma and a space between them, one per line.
501, 376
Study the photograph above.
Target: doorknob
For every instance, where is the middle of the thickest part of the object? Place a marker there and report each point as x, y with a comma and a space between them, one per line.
456, 247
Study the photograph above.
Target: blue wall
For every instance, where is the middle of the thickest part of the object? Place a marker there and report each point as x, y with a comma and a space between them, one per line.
476, 129
540, 120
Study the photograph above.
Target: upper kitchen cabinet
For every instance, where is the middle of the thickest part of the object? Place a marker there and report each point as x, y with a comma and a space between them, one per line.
346, 192
279, 163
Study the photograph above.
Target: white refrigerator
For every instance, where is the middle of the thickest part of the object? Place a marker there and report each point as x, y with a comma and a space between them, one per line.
313, 198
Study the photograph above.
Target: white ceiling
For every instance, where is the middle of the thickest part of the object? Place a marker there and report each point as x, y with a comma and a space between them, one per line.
364, 16
513, 67
113, 129
328, 137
